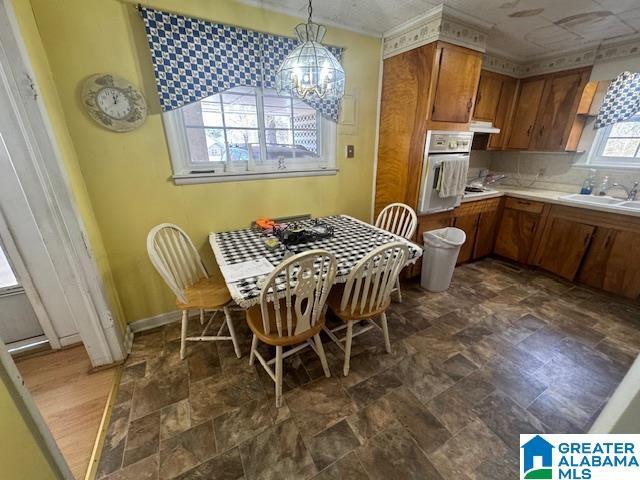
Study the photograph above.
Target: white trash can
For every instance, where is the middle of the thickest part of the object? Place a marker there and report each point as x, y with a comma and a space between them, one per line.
441, 248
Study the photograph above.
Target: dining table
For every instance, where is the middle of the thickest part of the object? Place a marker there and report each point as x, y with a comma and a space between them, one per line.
351, 240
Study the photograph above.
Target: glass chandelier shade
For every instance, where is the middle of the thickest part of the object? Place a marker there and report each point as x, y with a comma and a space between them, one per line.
311, 69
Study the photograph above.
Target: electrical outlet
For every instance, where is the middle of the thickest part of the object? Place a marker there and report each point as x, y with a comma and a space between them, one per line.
542, 172
351, 151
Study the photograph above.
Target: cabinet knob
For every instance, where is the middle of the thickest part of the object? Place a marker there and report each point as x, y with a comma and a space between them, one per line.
529, 131
469, 105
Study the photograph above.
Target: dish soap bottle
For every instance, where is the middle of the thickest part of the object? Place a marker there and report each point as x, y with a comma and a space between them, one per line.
604, 186
589, 183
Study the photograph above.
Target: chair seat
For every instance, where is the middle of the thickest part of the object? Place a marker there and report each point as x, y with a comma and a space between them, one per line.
335, 298
207, 293
254, 319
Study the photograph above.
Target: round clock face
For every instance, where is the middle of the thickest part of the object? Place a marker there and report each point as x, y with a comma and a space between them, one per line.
114, 103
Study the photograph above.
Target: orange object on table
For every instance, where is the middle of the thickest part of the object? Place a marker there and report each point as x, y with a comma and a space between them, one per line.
265, 223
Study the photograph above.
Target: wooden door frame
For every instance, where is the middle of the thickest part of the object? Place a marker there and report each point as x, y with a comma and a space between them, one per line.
43, 178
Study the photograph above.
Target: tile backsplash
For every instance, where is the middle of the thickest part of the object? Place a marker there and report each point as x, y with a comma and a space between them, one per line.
560, 172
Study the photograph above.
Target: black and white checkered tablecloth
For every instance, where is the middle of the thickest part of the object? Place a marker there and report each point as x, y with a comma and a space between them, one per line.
351, 241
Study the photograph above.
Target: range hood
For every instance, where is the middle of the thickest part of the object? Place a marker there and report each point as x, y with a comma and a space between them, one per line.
482, 127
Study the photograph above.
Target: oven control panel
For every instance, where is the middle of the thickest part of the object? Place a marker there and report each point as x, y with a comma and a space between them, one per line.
449, 141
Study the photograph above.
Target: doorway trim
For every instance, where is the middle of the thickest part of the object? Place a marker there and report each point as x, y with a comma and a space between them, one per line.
46, 182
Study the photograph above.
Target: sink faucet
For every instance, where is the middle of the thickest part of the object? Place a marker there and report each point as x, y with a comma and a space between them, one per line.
631, 193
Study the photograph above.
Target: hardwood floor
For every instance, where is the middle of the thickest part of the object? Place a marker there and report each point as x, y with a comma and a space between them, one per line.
70, 399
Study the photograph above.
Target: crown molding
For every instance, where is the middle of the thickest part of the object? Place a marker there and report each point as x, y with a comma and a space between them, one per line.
439, 23
496, 62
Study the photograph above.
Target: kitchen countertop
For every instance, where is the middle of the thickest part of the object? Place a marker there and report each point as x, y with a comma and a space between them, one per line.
548, 196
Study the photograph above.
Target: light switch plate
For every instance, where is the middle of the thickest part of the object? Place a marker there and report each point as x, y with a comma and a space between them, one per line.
351, 151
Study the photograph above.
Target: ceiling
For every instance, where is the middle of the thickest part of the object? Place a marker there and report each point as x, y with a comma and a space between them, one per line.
521, 29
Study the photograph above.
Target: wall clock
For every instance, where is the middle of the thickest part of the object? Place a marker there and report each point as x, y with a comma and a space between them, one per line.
113, 102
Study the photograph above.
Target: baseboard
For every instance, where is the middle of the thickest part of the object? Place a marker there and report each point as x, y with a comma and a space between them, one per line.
155, 321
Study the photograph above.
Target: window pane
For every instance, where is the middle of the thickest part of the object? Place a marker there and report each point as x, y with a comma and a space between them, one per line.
7, 278
198, 145
203, 113
215, 144
626, 129
243, 143
621, 147
240, 110
277, 112
283, 137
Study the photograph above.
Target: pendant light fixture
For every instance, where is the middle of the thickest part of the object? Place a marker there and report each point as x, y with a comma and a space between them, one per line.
311, 69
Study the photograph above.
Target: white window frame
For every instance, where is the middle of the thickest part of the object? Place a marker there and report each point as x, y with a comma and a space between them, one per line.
186, 172
596, 159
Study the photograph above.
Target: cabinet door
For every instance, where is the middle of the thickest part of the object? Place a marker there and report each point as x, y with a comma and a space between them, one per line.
505, 108
525, 114
489, 92
456, 85
485, 233
613, 263
469, 224
563, 245
515, 234
558, 107
594, 266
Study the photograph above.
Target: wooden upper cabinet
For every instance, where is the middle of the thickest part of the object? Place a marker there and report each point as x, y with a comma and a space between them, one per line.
503, 114
403, 124
456, 83
526, 111
558, 108
563, 245
488, 96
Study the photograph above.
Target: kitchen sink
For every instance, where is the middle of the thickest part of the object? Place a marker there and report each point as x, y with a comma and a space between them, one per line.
593, 200
630, 205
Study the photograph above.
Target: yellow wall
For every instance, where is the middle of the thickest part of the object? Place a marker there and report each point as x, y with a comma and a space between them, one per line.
20, 454
127, 175
48, 91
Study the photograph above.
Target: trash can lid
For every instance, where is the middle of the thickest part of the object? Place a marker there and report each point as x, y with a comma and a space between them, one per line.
447, 237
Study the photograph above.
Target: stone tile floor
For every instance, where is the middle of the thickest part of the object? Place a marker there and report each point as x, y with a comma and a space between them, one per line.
504, 351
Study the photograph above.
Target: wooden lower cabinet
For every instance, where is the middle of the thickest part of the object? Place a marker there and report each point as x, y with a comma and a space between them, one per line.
468, 224
516, 234
486, 233
563, 246
612, 262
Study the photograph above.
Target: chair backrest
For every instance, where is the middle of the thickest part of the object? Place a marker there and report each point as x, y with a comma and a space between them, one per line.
175, 257
305, 280
399, 219
369, 284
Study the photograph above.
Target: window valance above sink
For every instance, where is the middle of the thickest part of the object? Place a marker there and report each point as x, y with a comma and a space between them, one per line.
622, 100
195, 58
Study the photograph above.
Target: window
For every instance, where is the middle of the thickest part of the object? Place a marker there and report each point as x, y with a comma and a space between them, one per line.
7, 278
246, 133
617, 145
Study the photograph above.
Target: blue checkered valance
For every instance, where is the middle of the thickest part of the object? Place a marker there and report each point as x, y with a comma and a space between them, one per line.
194, 58
622, 100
